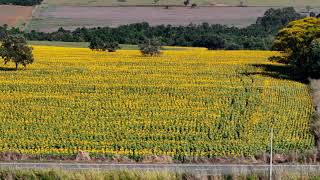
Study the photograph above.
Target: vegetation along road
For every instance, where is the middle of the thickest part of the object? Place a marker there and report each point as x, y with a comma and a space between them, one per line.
207, 169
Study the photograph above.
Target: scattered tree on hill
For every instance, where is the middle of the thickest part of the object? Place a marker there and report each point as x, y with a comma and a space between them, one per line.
186, 3
150, 47
299, 43
242, 3
308, 8
14, 48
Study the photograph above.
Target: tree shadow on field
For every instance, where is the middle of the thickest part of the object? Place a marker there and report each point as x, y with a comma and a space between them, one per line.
278, 71
7, 69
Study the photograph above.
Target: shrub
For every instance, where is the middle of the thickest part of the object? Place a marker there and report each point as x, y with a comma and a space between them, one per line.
150, 47
98, 45
194, 5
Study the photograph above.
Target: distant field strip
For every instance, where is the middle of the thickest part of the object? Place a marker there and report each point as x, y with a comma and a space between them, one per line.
296, 3
14, 16
86, 44
50, 18
185, 103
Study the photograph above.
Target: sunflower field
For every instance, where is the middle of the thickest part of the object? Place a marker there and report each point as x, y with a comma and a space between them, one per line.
190, 102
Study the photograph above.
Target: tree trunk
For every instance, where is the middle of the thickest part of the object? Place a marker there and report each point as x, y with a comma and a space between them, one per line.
16, 66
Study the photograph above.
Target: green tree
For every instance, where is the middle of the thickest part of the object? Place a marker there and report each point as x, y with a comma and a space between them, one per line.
274, 19
3, 32
308, 8
312, 14
14, 48
212, 42
111, 46
96, 44
298, 41
186, 2
150, 47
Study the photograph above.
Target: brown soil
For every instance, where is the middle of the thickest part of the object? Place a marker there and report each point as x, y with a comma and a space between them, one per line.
71, 17
14, 15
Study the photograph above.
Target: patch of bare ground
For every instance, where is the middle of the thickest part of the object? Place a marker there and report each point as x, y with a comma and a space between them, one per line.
50, 18
14, 15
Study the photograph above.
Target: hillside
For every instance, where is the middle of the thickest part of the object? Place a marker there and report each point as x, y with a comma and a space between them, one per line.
15, 16
184, 103
50, 18
295, 3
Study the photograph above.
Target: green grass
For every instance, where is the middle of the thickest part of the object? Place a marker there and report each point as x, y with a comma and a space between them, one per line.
296, 3
76, 44
55, 174
59, 43
86, 44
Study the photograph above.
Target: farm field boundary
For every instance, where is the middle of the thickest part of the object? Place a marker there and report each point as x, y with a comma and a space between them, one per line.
204, 169
189, 103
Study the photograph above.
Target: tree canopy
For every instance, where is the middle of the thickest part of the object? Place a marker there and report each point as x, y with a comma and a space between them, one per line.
98, 44
299, 42
150, 47
212, 42
14, 48
274, 19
